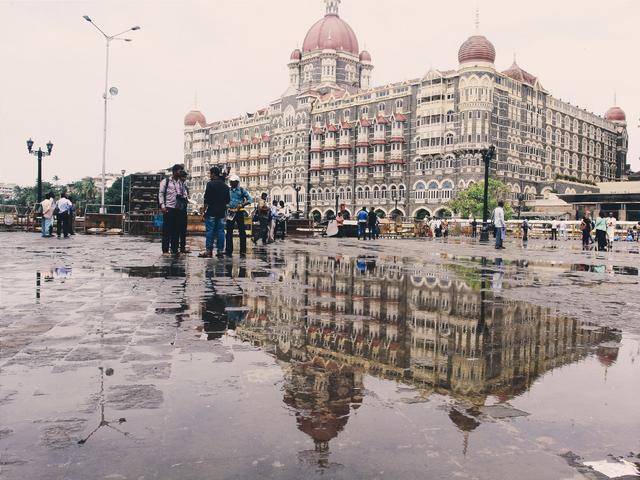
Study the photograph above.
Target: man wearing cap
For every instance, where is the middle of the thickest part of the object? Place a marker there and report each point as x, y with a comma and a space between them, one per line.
172, 196
240, 198
216, 198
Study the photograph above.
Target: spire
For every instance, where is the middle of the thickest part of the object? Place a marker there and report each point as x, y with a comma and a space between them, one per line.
477, 18
332, 6
615, 99
195, 100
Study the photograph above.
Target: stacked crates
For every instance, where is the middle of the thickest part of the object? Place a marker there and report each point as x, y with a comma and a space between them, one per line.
143, 203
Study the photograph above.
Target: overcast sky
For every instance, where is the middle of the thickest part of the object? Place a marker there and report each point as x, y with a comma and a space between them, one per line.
233, 53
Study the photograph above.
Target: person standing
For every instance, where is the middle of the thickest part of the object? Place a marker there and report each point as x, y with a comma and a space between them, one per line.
444, 227
239, 198
563, 229
474, 228
525, 230
554, 229
183, 214
340, 221
262, 220
64, 211
48, 205
601, 233
612, 223
586, 225
171, 197
372, 221
499, 224
283, 217
216, 198
363, 217
273, 223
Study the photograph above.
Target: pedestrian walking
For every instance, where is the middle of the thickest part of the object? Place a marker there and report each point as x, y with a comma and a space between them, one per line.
184, 214
612, 223
64, 208
172, 198
601, 233
474, 228
372, 223
525, 230
554, 229
444, 227
216, 198
261, 220
500, 225
363, 218
240, 198
48, 205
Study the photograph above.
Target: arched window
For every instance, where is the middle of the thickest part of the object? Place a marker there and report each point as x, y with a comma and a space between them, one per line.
420, 191
432, 190
447, 188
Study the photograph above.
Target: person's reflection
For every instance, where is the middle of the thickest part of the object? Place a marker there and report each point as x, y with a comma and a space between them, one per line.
498, 275
38, 280
322, 394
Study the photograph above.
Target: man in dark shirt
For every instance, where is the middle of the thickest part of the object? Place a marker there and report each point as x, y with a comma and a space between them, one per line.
216, 198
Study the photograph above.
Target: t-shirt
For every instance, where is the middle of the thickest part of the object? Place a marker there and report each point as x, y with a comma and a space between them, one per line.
47, 207
64, 205
362, 216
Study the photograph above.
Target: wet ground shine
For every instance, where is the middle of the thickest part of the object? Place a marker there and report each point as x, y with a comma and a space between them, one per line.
396, 359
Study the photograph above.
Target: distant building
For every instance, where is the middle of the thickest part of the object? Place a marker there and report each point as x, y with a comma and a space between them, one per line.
620, 198
405, 148
7, 190
109, 178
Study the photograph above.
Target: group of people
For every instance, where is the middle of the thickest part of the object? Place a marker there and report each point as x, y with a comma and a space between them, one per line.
63, 211
224, 212
368, 224
439, 227
269, 221
604, 228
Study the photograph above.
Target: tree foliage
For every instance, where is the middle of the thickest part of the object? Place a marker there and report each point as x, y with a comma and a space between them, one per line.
469, 202
112, 195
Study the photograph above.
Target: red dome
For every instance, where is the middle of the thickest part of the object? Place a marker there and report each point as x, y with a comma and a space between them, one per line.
296, 54
331, 32
193, 117
365, 56
477, 48
615, 114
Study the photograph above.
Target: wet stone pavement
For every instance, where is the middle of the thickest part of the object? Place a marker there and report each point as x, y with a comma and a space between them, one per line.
396, 359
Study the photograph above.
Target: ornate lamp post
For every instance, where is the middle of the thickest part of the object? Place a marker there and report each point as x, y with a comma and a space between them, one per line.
297, 188
122, 192
487, 155
39, 153
108, 93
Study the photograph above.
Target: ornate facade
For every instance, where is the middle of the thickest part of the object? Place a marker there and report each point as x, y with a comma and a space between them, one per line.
406, 147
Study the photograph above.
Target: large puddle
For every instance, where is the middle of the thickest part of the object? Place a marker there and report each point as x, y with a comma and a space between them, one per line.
292, 364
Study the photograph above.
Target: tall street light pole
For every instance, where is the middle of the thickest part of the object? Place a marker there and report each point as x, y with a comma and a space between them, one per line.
122, 192
113, 91
487, 155
39, 153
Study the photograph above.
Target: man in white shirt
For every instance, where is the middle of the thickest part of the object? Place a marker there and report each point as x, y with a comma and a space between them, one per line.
64, 216
499, 224
563, 230
48, 205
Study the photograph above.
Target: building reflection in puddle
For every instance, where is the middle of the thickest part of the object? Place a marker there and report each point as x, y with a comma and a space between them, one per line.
331, 321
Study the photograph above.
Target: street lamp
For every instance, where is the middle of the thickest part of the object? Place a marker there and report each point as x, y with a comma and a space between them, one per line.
487, 155
39, 153
122, 192
297, 188
113, 92
521, 198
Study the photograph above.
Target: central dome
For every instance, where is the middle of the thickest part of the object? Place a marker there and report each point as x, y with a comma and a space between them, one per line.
331, 32
477, 48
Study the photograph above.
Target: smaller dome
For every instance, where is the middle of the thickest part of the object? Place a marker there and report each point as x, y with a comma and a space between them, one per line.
615, 114
193, 117
296, 54
365, 56
477, 48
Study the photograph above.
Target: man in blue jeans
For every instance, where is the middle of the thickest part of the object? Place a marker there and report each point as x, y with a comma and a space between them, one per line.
216, 197
499, 224
363, 218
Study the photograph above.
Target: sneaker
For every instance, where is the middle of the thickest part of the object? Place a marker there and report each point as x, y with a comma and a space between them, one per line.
220, 255
206, 254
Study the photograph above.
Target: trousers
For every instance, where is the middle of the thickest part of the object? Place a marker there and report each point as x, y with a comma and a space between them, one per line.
236, 222
215, 231
171, 230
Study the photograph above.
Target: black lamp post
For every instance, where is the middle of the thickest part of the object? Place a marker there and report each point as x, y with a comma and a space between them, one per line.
39, 153
487, 155
297, 188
